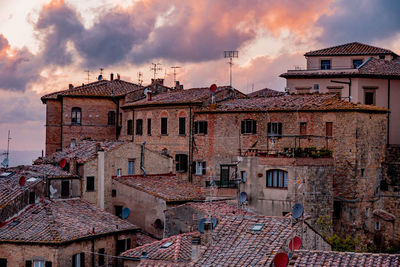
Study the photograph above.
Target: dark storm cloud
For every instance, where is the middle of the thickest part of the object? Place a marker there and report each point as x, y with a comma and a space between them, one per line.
360, 20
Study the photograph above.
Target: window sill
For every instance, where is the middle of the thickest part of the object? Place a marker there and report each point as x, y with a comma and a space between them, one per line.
280, 188
182, 135
201, 134
164, 134
180, 171
88, 191
249, 133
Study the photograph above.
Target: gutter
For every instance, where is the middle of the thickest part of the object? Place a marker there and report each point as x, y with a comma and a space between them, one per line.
142, 159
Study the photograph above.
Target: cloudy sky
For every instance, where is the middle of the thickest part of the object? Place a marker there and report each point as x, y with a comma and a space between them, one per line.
45, 45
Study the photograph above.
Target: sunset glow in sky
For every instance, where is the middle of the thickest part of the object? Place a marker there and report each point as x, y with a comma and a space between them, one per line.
45, 45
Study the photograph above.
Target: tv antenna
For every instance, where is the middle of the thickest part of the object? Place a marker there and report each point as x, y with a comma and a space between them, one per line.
231, 54
7, 153
175, 67
140, 78
155, 67
88, 75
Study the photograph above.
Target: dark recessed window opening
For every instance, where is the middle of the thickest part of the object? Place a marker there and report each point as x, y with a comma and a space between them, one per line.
148, 126
64, 189
78, 260
181, 161
164, 126
129, 127
274, 129
357, 63
113, 193
101, 256
131, 167
249, 127
90, 183
123, 245
139, 127
337, 209
303, 128
111, 118
329, 129
277, 178
118, 211
31, 198
325, 64
200, 127
76, 115
182, 126
369, 98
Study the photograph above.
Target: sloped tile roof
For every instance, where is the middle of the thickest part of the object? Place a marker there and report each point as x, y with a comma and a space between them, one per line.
236, 244
143, 239
59, 221
383, 214
167, 187
220, 209
187, 96
103, 88
10, 187
180, 249
83, 151
303, 258
156, 263
354, 48
373, 67
293, 102
266, 92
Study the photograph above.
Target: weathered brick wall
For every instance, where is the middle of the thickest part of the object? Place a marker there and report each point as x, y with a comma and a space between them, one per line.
61, 256
74, 187
53, 126
182, 219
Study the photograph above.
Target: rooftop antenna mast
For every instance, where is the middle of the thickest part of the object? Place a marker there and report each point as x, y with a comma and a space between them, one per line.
155, 67
88, 75
175, 67
140, 78
5, 161
231, 54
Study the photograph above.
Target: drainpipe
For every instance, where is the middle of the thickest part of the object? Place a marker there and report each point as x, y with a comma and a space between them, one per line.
142, 159
388, 114
100, 175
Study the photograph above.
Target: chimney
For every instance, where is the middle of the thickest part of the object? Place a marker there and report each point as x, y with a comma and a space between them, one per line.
149, 95
118, 76
111, 76
73, 166
71, 86
196, 245
177, 86
207, 236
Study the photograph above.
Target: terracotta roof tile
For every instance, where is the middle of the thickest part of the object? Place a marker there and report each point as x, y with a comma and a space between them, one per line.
156, 263
167, 187
83, 151
266, 93
220, 209
179, 249
354, 48
143, 239
10, 187
346, 259
294, 102
103, 88
384, 215
60, 221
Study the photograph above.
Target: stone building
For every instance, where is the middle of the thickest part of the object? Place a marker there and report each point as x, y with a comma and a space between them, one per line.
165, 122
62, 233
96, 162
359, 72
150, 197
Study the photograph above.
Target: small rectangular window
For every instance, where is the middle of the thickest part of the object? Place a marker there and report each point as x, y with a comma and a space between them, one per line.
148, 126
377, 226
119, 172
357, 63
274, 129
329, 129
3, 262
64, 189
101, 256
131, 167
303, 128
164, 126
181, 161
48, 264
78, 260
337, 209
123, 245
369, 97
38, 264
139, 127
200, 167
200, 127
31, 197
249, 127
118, 211
90, 183
316, 87
325, 64
129, 127
113, 193
243, 176
111, 118
182, 126
366, 212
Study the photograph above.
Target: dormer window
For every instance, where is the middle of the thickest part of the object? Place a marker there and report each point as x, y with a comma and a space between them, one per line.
357, 63
325, 64
76, 116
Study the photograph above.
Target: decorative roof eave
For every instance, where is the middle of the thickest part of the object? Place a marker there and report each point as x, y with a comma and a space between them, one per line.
159, 104
377, 110
305, 75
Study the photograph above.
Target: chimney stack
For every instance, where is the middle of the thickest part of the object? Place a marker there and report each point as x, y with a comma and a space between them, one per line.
71, 86
207, 236
149, 95
111, 76
196, 244
177, 86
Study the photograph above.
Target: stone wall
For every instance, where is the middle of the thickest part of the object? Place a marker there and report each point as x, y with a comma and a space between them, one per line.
53, 126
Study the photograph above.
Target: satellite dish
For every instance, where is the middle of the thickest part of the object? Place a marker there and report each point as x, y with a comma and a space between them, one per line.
5, 162
295, 243
281, 259
243, 197
125, 213
100, 77
297, 210
22, 180
146, 90
62, 163
213, 88
201, 225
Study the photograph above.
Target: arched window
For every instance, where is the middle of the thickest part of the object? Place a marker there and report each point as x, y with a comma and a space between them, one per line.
277, 178
76, 116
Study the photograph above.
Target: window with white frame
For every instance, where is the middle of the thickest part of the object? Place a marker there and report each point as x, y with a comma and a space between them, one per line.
277, 178
118, 172
200, 167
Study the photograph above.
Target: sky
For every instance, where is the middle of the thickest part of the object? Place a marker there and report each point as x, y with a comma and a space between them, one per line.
46, 45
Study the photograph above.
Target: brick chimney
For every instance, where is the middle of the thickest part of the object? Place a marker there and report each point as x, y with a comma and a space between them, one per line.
149, 95
207, 236
111, 76
71, 86
196, 246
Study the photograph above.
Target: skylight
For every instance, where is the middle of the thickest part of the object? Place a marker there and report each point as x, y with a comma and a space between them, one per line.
257, 227
167, 244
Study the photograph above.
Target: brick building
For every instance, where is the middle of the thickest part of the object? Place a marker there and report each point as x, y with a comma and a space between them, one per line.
61, 233
359, 72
